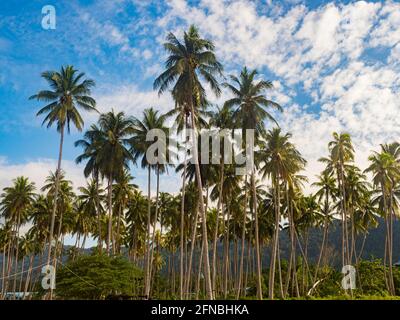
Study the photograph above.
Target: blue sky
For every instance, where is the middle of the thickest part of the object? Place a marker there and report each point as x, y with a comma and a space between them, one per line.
335, 66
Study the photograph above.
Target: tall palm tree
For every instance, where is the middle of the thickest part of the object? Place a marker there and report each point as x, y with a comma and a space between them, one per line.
92, 198
341, 156
182, 114
151, 121
64, 205
68, 93
250, 109
190, 61
220, 120
114, 155
386, 173
15, 202
281, 161
123, 190
91, 150
326, 195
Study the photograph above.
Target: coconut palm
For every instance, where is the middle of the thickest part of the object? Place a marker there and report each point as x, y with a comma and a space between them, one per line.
140, 147
250, 109
113, 133
69, 92
91, 150
15, 203
92, 197
386, 173
190, 61
281, 161
123, 191
326, 195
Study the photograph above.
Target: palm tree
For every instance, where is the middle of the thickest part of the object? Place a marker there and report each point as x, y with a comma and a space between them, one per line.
91, 150
281, 162
123, 191
151, 121
189, 61
326, 194
221, 119
386, 174
250, 105
114, 155
341, 156
68, 93
14, 207
136, 218
91, 198
64, 205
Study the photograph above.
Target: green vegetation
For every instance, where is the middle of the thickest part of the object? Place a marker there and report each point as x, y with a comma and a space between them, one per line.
223, 235
98, 277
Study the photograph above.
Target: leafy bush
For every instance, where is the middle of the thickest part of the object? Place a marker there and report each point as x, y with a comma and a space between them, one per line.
98, 277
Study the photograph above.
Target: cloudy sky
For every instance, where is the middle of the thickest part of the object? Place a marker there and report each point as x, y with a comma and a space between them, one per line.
335, 67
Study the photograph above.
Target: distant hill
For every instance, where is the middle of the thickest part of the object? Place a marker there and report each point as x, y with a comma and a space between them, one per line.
373, 247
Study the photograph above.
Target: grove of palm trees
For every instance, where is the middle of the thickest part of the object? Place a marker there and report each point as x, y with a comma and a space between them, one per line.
266, 234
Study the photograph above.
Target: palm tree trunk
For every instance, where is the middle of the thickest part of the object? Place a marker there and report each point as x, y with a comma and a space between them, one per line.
97, 201
219, 208
181, 279
275, 241
199, 273
28, 277
3, 273
57, 185
325, 234
16, 255
22, 274
147, 257
192, 248
203, 215
258, 254
243, 244
154, 227
110, 215
117, 246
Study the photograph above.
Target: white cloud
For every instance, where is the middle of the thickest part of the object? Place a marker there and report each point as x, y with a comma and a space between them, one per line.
37, 171
321, 49
132, 101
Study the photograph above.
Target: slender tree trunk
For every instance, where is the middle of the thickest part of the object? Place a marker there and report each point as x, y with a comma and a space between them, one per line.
325, 234
219, 208
275, 241
117, 246
110, 214
16, 255
22, 274
226, 255
154, 227
57, 185
243, 244
181, 279
199, 273
147, 259
99, 239
3, 273
388, 211
192, 248
257, 240
28, 277
203, 215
